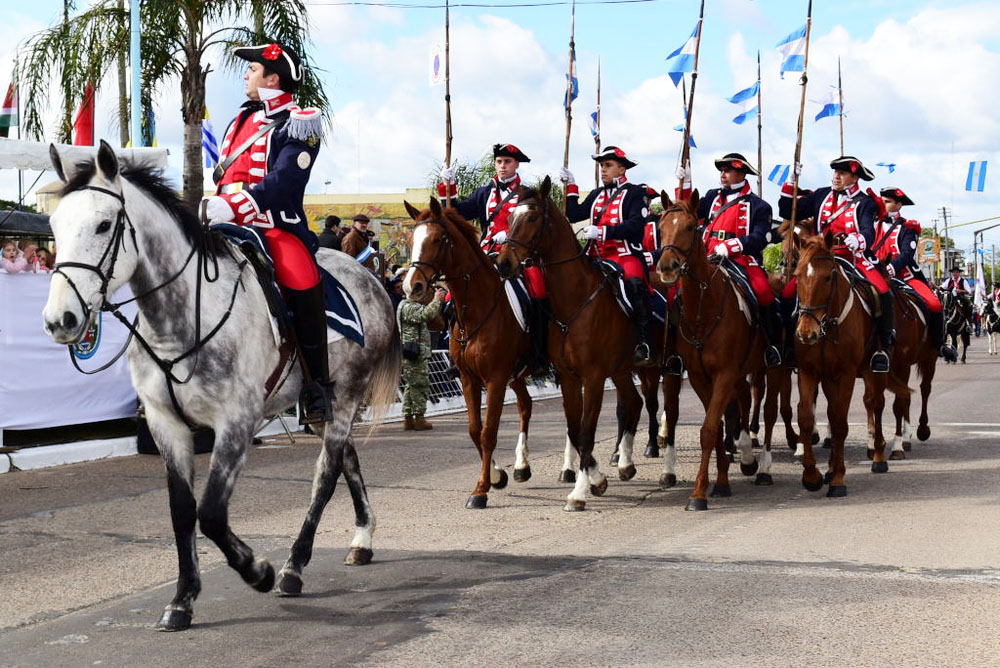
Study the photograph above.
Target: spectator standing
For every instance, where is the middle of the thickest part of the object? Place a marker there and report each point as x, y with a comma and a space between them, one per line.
330, 236
412, 318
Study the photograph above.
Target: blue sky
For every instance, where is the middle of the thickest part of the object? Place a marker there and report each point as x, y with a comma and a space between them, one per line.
916, 84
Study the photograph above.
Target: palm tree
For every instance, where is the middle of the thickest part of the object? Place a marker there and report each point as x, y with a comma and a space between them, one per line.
177, 36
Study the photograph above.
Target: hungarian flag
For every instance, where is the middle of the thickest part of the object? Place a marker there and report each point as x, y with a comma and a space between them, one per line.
8, 115
83, 126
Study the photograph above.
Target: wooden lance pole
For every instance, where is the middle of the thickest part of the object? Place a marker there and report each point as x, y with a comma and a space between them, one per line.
798, 143
689, 111
447, 94
840, 103
569, 97
597, 136
760, 150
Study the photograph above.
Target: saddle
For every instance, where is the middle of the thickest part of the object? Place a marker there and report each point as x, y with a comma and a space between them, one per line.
519, 300
860, 284
615, 276
913, 306
740, 280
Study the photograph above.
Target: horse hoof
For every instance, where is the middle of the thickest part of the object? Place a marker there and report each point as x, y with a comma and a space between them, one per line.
815, 438
289, 584
502, 482
837, 491
652, 451
880, 467
358, 556
522, 475
896, 455
812, 485
475, 503
907, 446
627, 473
668, 480
696, 504
174, 620
567, 476
599, 490
661, 441
721, 491
614, 459
763, 479
575, 506
827, 443
923, 432
827, 477
870, 452
266, 581
748, 469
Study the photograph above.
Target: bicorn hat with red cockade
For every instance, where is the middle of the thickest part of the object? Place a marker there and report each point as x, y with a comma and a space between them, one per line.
896, 194
615, 153
735, 161
509, 151
277, 58
848, 163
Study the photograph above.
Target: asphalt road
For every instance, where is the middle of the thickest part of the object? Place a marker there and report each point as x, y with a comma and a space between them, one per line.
905, 570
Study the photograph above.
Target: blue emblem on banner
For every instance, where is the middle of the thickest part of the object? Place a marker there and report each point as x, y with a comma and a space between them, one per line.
87, 348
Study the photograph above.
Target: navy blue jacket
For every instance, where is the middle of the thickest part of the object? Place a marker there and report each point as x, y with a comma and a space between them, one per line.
635, 210
809, 207
760, 222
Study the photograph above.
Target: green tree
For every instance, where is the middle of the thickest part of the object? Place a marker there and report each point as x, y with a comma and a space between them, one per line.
177, 36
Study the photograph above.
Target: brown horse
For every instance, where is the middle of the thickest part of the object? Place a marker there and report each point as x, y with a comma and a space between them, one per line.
487, 344
718, 344
590, 337
833, 337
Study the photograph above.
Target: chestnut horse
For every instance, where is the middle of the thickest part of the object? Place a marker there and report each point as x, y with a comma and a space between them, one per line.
591, 338
718, 344
487, 344
833, 337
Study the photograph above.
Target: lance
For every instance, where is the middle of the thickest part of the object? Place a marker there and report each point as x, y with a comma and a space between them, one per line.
569, 97
760, 151
447, 95
686, 149
840, 106
597, 126
798, 142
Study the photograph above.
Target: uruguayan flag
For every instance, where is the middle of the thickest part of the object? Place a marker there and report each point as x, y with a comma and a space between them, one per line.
830, 105
685, 57
977, 176
747, 99
793, 52
208, 141
779, 174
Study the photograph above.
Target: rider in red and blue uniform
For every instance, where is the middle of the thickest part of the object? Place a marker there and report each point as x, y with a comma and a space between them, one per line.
850, 215
618, 214
265, 159
736, 223
492, 205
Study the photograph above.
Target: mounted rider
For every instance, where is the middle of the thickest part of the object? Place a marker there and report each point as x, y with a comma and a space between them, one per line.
618, 215
735, 225
266, 156
895, 246
955, 284
850, 215
492, 205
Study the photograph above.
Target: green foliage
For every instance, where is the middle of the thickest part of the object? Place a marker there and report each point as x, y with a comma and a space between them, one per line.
772, 258
12, 205
468, 175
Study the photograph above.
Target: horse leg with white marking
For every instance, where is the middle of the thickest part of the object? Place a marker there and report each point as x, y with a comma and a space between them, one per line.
671, 407
522, 468
632, 404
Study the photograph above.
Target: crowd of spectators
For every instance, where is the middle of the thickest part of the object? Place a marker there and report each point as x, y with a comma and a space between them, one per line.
25, 256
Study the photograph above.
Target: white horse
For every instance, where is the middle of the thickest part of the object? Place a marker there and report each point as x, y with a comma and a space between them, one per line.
991, 324
202, 354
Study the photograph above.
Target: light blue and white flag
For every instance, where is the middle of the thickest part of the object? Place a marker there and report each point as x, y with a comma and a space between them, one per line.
680, 128
685, 57
830, 105
891, 166
208, 141
977, 176
747, 99
793, 52
779, 174
595, 129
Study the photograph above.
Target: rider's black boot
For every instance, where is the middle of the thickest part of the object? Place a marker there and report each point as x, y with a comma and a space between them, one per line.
886, 334
538, 328
309, 310
790, 322
771, 324
638, 294
935, 332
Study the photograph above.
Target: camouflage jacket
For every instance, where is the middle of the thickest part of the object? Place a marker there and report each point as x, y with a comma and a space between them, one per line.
412, 317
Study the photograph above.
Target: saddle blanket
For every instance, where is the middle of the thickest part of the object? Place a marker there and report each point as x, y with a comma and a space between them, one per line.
519, 300
657, 302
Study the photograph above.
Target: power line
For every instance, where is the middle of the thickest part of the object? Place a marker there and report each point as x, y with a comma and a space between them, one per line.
480, 5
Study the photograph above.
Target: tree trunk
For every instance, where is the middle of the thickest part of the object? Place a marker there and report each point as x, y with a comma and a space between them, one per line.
123, 98
193, 112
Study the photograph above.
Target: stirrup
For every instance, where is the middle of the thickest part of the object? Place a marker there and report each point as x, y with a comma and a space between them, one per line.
641, 355
674, 366
316, 403
772, 357
879, 362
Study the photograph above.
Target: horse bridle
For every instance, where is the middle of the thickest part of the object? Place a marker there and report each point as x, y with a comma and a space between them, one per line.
810, 311
532, 244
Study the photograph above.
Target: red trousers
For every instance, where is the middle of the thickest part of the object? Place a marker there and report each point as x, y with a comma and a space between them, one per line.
632, 267
294, 266
535, 283
758, 281
930, 299
872, 274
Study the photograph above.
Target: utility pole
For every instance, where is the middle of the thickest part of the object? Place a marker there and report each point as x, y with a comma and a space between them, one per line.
944, 242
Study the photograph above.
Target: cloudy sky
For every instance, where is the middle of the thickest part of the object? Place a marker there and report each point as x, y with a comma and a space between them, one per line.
917, 76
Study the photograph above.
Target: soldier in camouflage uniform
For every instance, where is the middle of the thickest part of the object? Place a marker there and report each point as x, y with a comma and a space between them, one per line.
412, 317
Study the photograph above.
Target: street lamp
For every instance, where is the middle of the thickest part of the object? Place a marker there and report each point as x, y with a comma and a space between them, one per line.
326, 187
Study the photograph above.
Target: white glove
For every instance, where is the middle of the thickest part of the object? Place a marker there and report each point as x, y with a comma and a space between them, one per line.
891, 269
447, 174
591, 232
500, 237
217, 210
683, 173
566, 176
851, 242
798, 169
721, 250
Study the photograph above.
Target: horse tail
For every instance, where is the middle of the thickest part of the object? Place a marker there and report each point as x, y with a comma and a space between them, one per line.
385, 381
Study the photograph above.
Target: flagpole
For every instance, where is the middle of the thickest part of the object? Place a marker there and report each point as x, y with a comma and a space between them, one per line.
447, 94
840, 106
686, 149
569, 93
760, 150
798, 141
597, 137
20, 174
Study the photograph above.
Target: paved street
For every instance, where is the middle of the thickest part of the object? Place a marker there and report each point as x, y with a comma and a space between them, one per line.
903, 571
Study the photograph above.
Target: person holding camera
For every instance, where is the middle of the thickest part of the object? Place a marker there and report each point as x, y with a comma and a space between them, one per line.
412, 317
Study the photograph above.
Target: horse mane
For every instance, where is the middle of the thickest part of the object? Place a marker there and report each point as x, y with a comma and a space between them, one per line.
811, 247
150, 180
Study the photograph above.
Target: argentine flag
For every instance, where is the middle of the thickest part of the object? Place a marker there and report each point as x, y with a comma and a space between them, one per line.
779, 174
685, 57
793, 50
208, 142
831, 106
977, 176
747, 99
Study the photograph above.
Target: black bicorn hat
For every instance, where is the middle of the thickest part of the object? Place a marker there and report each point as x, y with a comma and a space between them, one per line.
277, 58
615, 153
848, 163
735, 161
509, 151
956, 268
896, 194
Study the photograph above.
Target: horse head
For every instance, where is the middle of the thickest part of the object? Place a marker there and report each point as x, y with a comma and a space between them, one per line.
89, 226
815, 285
793, 236
429, 249
679, 236
530, 230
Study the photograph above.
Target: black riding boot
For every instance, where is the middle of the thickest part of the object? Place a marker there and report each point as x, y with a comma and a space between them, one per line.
886, 334
309, 310
638, 294
771, 324
538, 329
935, 332
790, 322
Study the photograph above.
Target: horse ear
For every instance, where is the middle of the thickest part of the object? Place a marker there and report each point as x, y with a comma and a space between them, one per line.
435, 208
828, 239
693, 202
412, 210
107, 161
546, 188
665, 200
63, 172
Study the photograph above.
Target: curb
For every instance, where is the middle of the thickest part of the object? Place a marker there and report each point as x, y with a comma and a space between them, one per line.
45, 456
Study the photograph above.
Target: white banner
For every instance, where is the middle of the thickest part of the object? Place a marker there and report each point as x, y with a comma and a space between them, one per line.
39, 387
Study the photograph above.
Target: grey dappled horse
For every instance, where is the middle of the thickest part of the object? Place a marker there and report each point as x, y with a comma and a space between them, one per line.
201, 308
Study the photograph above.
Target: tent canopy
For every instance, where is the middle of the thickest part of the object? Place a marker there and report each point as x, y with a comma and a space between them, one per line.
23, 154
